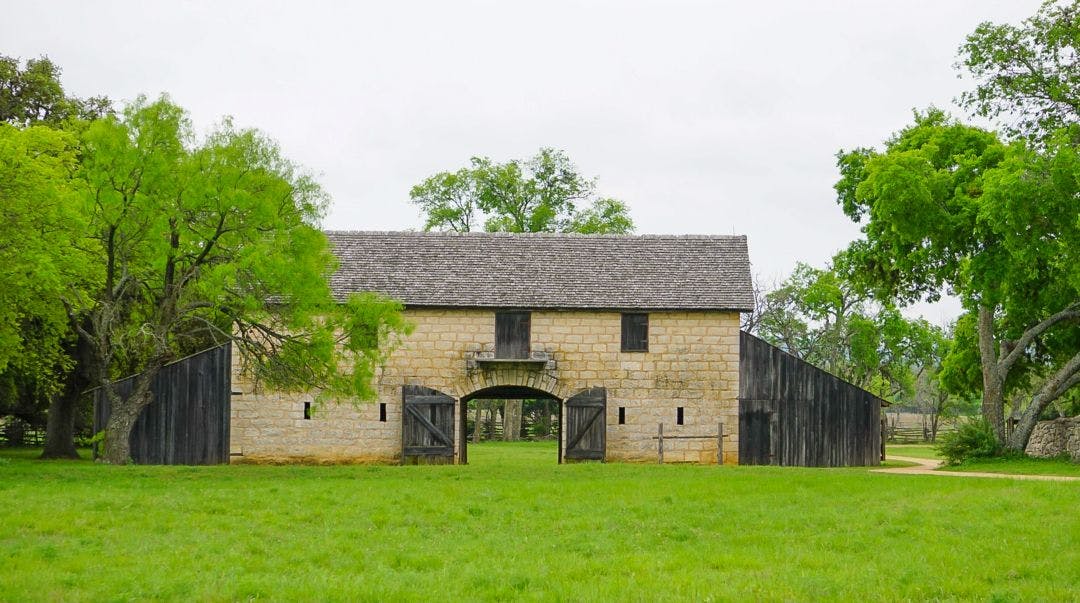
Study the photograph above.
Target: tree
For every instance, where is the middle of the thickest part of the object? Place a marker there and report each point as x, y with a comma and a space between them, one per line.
40, 376
818, 316
213, 240
1027, 75
33, 95
40, 243
950, 206
540, 194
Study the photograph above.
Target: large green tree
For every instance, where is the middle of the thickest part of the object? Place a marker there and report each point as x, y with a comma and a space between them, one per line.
40, 249
950, 207
32, 96
213, 240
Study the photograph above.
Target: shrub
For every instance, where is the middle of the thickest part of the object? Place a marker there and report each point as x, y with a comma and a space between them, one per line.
972, 439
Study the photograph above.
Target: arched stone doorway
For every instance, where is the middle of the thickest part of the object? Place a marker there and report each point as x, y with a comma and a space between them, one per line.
434, 423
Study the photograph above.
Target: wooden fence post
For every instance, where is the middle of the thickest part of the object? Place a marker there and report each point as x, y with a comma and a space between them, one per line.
660, 445
882, 437
720, 443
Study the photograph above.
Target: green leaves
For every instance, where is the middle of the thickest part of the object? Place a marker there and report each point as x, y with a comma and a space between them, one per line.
1029, 75
541, 194
214, 240
822, 318
39, 239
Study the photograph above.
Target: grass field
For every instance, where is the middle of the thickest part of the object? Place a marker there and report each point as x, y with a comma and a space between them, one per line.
919, 451
514, 525
1023, 465
1028, 466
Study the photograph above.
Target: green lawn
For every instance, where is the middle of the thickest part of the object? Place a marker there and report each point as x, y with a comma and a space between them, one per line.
514, 525
1027, 466
920, 451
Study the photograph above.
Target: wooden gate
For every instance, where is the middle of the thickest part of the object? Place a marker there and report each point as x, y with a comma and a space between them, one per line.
586, 425
427, 426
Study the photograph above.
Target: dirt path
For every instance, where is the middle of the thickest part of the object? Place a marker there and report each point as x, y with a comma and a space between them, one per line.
930, 466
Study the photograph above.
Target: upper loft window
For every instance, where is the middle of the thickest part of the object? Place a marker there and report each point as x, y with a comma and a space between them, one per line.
512, 334
635, 332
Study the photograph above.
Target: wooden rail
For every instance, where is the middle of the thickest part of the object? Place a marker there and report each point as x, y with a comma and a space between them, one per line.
719, 437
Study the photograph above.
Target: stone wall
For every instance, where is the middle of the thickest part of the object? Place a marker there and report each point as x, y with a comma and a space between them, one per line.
1055, 438
692, 363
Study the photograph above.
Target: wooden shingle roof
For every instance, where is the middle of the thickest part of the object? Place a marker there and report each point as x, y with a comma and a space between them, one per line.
554, 271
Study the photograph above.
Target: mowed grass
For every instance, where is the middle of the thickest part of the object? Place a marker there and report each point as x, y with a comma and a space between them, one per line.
1016, 465
1021, 465
515, 525
919, 451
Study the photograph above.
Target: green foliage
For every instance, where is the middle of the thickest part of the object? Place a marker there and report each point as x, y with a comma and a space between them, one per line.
541, 194
822, 318
40, 242
972, 439
1029, 74
214, 240
33, 95
949, 207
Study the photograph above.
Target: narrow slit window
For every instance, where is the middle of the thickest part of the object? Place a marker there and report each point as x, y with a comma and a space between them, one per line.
635, 332
382, 412
307, 410
679, 415
622, 415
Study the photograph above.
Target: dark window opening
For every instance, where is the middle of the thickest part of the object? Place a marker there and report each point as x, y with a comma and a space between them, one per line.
622, 415
679, 416
382, 412
431, 414
635, 332
307, 410
512, 330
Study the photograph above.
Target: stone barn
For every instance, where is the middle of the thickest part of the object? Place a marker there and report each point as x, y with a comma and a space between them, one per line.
624, 332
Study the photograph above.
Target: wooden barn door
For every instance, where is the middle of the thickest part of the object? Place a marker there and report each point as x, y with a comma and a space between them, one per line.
759, 438
427, 426
586, 425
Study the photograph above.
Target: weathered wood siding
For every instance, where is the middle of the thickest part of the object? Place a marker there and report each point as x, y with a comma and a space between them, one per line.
793, 413
427, 426
187, 423
586, 425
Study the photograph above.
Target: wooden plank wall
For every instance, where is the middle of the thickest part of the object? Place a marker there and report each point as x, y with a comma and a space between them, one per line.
793, 413
187, 423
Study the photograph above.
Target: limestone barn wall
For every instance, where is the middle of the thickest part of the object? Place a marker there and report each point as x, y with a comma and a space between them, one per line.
692, 362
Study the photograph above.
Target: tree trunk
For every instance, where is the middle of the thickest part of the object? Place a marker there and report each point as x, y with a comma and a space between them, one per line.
512, 420
1052, 389
993, 402
478, 426
118, 436
124, 413
60, 425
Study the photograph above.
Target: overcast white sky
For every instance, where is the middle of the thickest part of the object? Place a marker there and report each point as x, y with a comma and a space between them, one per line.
705, 117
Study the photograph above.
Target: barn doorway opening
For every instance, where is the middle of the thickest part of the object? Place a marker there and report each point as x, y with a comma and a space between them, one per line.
513, 424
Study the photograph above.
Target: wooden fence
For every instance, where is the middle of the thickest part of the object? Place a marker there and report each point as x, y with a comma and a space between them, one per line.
187, 423
793, 413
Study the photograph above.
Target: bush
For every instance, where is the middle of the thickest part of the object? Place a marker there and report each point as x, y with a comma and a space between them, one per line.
972, 439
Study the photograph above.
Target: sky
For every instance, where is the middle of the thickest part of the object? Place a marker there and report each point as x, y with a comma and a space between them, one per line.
718, 117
